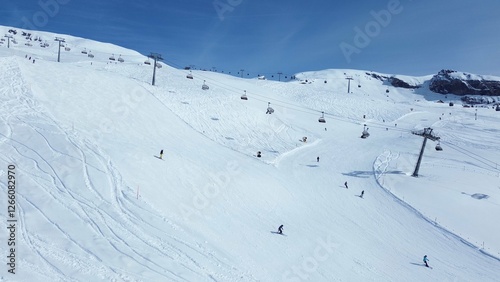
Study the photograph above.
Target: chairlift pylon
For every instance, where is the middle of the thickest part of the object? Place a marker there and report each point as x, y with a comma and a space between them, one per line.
244, 96
204, 86
322, 118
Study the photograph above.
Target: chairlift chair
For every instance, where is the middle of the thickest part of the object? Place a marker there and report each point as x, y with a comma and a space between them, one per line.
190, 76
438, 146
147, 62
67, 48
322, 118
84, 51
90, 55
158, 65
269, 109
120, 59
497, 108
244, 96
204, 86
112, 58
365, 133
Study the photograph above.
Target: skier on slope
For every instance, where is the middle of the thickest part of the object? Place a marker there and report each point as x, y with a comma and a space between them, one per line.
426, 260
317, 159
362, 193
345, 184
161, 154
280, 229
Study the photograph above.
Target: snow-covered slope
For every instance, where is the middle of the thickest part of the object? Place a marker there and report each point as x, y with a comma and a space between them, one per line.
95, 203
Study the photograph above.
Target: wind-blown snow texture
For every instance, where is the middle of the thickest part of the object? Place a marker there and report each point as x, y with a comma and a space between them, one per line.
95, 202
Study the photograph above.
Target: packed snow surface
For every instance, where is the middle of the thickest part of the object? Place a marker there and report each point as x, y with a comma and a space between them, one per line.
94, 201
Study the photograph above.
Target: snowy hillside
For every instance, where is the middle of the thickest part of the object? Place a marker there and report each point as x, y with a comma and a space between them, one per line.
94, 201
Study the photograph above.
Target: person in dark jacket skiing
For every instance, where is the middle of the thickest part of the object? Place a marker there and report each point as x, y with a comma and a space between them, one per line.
280, 229
161, 154
317, 159
345, 184
362, 193
426, 260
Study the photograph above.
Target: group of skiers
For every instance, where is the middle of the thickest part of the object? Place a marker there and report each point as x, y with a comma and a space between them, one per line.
26, 56
362, 192
280, 228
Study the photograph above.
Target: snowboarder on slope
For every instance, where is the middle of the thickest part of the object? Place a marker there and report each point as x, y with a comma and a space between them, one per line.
161, 154
280, 229
345, 184
362, 193
426, 260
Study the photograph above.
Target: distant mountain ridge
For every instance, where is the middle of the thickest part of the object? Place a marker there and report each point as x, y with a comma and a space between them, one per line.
451, 82
444, 82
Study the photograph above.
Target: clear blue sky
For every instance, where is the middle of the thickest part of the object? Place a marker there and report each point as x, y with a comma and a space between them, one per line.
413, 37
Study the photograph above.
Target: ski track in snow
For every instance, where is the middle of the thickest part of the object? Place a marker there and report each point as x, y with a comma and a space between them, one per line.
79, 186
93, 211
380, 166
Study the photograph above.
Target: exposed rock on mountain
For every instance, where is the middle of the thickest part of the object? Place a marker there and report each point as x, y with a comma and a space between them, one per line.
453, 82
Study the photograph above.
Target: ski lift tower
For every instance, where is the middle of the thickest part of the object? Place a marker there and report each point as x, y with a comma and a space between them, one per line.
60, 40
349, 78
279, 76
155, 57
8, 39
427, 134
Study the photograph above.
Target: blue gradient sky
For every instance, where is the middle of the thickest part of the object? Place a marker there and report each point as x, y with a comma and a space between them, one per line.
268, 36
